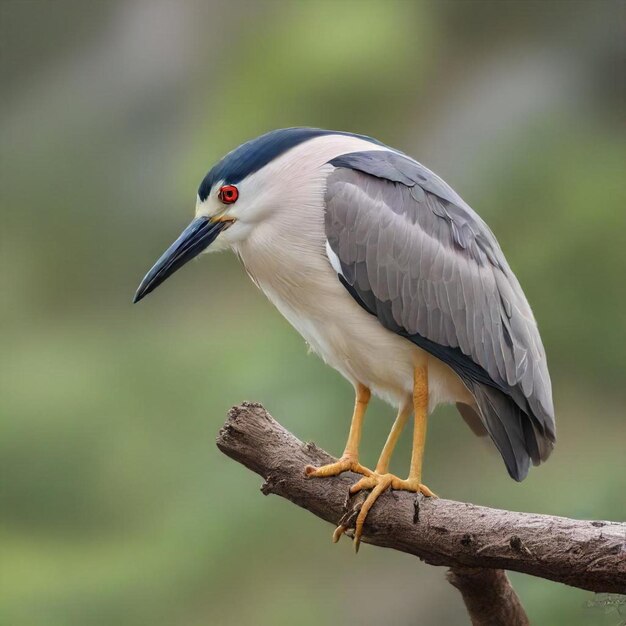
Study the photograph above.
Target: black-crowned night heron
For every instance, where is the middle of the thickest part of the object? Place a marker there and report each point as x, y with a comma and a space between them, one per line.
392, 279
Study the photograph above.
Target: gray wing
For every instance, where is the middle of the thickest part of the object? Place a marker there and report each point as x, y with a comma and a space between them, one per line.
414, 254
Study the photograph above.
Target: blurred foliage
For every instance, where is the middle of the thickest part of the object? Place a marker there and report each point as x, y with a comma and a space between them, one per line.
116, 508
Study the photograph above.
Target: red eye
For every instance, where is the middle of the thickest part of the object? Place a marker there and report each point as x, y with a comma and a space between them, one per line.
228, 194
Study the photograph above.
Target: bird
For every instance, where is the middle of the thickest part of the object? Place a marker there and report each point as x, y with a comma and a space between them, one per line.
392, 279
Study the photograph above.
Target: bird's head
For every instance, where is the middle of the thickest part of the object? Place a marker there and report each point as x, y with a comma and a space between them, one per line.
248, 186
222, 205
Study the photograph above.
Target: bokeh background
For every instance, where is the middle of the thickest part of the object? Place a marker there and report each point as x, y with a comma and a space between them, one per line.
115, 505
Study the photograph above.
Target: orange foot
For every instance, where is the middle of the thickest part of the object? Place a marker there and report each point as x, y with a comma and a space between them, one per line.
378, 483
344, 464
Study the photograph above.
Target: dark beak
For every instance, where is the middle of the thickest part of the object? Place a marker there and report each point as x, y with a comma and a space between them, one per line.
193, 240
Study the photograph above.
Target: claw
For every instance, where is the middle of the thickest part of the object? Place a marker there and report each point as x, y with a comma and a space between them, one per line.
380, 483
339, 531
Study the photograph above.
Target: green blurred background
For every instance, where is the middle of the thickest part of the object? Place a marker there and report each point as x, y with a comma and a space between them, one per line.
116, 507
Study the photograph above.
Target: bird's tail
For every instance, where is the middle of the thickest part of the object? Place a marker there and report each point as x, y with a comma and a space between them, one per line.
518, 437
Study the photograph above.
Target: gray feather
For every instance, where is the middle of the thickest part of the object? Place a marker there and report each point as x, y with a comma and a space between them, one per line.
472, 419
417, 256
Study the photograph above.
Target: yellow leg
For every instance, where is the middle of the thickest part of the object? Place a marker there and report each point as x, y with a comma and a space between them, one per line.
420, 406
396, 430
381, 480
349, 460
383, 463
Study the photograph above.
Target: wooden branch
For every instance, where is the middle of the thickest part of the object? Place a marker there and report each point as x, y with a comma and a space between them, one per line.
489, 598
586, 554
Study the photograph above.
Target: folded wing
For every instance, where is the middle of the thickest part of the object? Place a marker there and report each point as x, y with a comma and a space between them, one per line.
414, 254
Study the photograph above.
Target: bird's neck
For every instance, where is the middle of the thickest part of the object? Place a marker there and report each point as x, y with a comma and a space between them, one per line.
286, 251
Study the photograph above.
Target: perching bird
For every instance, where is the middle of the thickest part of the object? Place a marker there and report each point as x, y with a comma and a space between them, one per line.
392, 279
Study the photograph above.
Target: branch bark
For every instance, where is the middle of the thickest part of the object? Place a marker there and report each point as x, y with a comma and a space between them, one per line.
476, 542
489, 598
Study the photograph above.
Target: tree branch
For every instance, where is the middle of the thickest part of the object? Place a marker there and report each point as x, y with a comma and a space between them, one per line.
489, 598
476, 542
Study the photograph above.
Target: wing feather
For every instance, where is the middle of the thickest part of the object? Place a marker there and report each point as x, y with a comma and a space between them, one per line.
414, 254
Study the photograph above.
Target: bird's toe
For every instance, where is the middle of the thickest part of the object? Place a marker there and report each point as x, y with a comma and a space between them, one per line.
378, 483
345, 464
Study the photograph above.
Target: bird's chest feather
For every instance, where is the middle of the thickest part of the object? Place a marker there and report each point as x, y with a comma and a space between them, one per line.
298, 279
